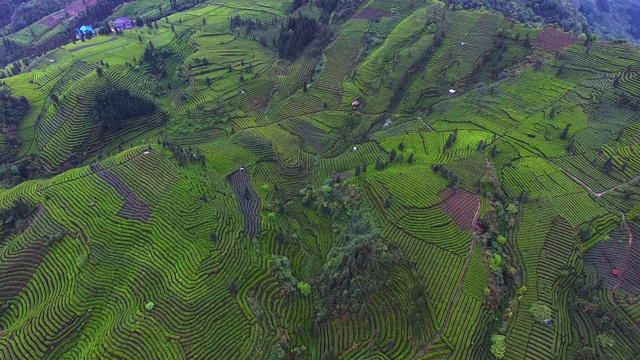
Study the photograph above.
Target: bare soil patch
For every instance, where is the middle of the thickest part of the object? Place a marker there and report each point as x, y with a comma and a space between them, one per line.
461, 206
78, 6
248, 200
553, 40
134, 208
617, 253
18, 267
72, 9
53, 20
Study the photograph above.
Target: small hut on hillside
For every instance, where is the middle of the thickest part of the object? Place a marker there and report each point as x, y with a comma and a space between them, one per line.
85, 31
123, 23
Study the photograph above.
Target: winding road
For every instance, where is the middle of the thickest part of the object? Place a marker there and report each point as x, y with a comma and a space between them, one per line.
604, 192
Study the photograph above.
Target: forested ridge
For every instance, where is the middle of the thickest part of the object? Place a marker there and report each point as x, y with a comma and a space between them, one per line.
608, 19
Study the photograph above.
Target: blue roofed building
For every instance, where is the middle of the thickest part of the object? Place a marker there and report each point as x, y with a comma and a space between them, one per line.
85, 30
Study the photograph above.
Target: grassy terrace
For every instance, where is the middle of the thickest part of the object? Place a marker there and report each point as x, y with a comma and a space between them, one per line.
163, 238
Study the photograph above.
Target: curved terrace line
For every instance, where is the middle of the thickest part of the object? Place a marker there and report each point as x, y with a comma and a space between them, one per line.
459, 290
626, 259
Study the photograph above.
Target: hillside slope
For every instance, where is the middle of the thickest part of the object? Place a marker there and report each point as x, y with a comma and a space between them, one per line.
418, 182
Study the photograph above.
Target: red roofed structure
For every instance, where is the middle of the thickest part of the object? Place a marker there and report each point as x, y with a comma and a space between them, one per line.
616, 272
355, 103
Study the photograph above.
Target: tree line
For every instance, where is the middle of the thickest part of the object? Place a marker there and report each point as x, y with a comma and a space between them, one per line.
12, 110
21, 13
185, 156
301, 34
298, 32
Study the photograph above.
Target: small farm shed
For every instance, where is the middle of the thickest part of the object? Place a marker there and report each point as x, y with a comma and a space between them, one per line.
355, 103
123, 23
85, 30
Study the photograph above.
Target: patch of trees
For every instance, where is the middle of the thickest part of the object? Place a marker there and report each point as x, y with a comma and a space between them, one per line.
298, 4
534, 12
454, 180
98, 12
283, 271
7, 9
612, 19
184, 156
251, 27
360, 260
12, 110
249, 24
327, 7
588, 303
11, 51
92, 15
295, 35
341, 9
504, 284
95, 14
24, 13
115, 106
14, 214
156, 59
451, 139
14, 174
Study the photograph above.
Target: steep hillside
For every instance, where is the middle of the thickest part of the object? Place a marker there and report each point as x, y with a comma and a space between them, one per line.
607, 19
414, 181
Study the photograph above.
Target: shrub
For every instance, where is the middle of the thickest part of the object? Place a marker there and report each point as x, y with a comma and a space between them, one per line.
282, 266
522, 290
540, 311
305, 288
277, 353
496, 262
498, 348
360, 260
606, 340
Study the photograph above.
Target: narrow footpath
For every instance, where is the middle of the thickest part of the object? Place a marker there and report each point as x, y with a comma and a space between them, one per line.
604, 192
452, 304
626, 259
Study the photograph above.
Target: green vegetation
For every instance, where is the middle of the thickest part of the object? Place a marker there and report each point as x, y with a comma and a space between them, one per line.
115, 106
326, 179
12, 111
540, 312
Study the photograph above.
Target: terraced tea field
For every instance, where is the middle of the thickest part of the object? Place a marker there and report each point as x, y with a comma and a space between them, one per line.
422, 183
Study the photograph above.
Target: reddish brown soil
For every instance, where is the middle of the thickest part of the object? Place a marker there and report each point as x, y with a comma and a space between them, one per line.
371, 14
53, 20
461, 206
134, 208
72, 9
78, 6
248, 200
553, 40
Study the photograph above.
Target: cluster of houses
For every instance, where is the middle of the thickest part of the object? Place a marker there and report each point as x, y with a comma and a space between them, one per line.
119, 24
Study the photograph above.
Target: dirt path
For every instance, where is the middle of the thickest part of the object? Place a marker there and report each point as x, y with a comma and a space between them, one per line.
455, 297
113, 38
626, 259
604, 192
